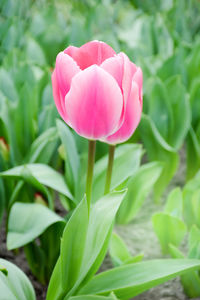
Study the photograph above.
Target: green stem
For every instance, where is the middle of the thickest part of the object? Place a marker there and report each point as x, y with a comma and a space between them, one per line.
91, 158
109, 169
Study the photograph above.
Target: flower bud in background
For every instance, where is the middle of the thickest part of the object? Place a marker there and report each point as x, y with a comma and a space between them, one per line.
98, 92
62, 152
38, 198
4, 149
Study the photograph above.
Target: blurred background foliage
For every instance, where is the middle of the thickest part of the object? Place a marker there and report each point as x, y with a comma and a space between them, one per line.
160, 36
163, 38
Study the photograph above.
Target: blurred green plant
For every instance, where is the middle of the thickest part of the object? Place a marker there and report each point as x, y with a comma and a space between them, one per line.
179, 220
42, 224
14, 283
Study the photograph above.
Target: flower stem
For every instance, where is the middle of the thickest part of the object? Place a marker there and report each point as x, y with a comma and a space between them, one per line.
91, 158
109, 169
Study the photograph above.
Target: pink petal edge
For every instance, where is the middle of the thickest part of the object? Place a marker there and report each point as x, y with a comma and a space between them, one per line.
94, 52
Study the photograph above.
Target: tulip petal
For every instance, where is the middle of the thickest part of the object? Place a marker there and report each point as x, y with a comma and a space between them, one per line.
99, 51
133, 68
59, 100
122, 70
131, 120
138, 78
82, 58
66, 68
114, 66
94, 52
94, 103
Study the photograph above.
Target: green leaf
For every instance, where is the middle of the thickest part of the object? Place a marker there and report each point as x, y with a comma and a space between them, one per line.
7, 119
72, 247
158, 150
126, 163
169, 230
174, 65
36, 259
194, 237
194, 243
91, 297
55, 290
47, 117
135, 259
190, 280
15, 285
30, 179
23, 116
175, 252
191, 201
113, 297
32, 220
43, 147
42, 173
72, 160
130, 280
118, 250
139, 185
3, 270
174, 205
181, 116
86, 243
34, 52
193, 154
7, 86
191, 284
2, 200
193, 63
160, 110
194, 101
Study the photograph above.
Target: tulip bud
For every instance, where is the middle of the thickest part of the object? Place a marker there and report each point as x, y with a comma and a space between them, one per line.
4, 149
38, 198
62, 152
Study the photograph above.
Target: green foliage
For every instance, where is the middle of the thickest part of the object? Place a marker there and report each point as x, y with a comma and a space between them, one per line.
35, 221
82, 253
130, 280
26, 230
119, 252
71, 156
193, 140
165, 127
93, 297
2, 200
14, 284
168, 225
139, 186
191, 280
39, 175
171, 229
161, 37
126, 163
191, 201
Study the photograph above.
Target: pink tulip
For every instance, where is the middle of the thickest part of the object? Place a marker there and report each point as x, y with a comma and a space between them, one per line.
98, 92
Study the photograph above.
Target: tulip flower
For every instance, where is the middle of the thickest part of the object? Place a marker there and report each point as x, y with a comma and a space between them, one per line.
98, 92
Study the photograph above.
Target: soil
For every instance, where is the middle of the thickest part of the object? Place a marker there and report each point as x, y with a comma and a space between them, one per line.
138, 236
